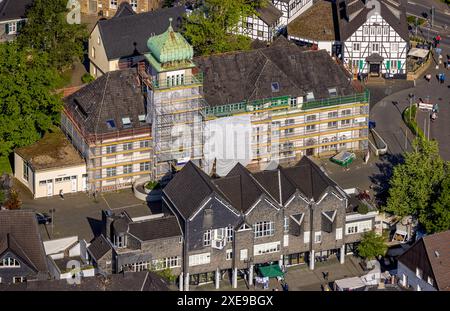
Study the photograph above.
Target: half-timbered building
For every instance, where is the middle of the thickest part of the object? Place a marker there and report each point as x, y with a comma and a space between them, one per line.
374, 37
291, 9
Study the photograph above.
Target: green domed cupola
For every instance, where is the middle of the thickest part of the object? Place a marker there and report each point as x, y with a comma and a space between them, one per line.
170, 47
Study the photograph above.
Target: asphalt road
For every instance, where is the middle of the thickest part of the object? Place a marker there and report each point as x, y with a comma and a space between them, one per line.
419, 7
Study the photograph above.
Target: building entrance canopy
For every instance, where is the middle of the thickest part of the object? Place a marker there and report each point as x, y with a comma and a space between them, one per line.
271, 271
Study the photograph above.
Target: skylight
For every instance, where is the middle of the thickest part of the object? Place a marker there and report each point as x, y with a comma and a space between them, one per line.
142, 118
275, 87
332, 91
126, 121
110, 124
309, 96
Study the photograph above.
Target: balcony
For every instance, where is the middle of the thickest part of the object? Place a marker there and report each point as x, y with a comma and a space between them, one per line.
334, 101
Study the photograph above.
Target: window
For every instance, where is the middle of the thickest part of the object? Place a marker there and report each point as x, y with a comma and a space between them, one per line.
12, 28
266, 248
346, 112
309, 96
286, 224
230, 234
165, 263
9, 262
345, 122
310, 128
264, 228
356, 46
199, 259
379, 31
128, 146
25, 171
141, 118
318, 237
333, 114
126, 121
229, 254
386, 30
306, 237
134, 4
249, 26
419, 289
207, 238
98, 40
93, 52
110, 124
144, 144
111, 149
289, 122
243, 254
113, 4
311, 117
275, 87
394, 47
120, 241
19, 279
288, 131
372, 31
145, 166
42, 183
111, 171
366, 31
58, 180
332, 124
375, 47
338, 233
332, 91
127, 169
260, 33
419, 273
430, 281
293, 102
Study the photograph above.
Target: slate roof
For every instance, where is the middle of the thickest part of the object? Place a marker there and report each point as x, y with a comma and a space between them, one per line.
431, 254
269, 13
20, 234
190, 187
153, 229
114, 95
132, 281
247, 76
316, 23
13, 9
348, 26
124, 35
99, 247
52, 151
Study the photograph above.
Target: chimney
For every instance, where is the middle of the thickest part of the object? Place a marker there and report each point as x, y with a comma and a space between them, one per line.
107, 220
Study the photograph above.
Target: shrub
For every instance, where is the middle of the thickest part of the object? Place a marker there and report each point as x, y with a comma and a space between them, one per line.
152, 185
87, 78
363, 208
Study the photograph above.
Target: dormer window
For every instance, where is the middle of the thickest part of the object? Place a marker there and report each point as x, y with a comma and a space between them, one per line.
141, 118
126, 121
332, 91
9, 262
120, 241
110, 124
275, 87
309, 96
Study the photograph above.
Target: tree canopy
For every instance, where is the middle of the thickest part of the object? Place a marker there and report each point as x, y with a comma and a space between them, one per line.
371, 246
418, 187
47, 31
209, 27
27, 106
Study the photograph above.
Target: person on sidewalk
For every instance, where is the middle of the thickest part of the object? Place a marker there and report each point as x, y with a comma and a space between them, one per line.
428, 77
61, 194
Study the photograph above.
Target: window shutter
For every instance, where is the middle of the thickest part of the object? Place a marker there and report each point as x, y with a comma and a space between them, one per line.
20, 25
7, 28
388, 65
399, 64
361, 64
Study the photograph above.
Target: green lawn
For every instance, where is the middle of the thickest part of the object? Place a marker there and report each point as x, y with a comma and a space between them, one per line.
5, 166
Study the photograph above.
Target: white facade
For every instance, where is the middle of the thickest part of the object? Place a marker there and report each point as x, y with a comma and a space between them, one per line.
256, 28
375, 36
291, 9
412, 279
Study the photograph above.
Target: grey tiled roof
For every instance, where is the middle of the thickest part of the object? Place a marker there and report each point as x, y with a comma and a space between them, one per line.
123, 36
13, 9
240, 76
190, 187
131, 281
99, 247
157, 228
19, 233
115, 95
268, 13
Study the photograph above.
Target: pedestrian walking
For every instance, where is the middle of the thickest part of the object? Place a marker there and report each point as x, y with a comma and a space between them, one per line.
428, 78
61, 194
443, 78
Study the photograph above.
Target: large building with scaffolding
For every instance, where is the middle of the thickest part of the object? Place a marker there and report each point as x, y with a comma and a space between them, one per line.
271, 104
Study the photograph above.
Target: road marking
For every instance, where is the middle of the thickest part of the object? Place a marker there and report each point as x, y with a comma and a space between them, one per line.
106, 202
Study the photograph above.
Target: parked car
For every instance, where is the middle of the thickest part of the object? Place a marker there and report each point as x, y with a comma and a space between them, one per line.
43, 218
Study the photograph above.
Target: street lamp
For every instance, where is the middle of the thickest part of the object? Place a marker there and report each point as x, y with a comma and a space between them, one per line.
52, 211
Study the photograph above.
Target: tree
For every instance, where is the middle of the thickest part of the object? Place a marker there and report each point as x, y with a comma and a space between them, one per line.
209, 27
47, 31
371, 246
437, 217
13, 201
28, 107
414, 182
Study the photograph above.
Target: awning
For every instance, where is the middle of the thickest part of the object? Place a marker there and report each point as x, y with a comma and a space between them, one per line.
374, 58
419, 53
271, 271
